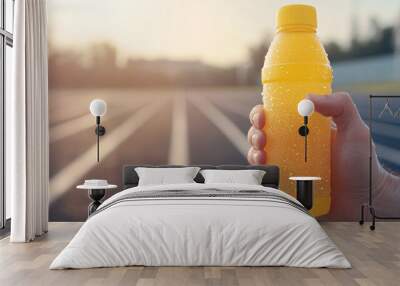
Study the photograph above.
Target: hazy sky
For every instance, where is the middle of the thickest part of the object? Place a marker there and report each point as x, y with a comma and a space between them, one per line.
215, 31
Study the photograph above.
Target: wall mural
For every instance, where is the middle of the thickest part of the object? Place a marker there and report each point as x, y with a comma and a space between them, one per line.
180, 81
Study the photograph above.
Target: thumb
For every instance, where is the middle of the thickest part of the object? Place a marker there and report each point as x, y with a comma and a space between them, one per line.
339, 106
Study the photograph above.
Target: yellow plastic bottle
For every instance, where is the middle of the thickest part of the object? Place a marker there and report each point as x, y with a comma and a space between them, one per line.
297, 65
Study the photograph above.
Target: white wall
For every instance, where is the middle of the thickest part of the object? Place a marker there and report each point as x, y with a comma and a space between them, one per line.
9, 70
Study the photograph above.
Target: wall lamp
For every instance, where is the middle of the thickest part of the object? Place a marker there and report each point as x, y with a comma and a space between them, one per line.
98, 108
305, 109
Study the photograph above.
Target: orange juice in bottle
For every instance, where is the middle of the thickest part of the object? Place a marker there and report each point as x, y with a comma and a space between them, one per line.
297, 65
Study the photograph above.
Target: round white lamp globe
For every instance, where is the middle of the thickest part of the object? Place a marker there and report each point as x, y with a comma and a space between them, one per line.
98, 107
305, 107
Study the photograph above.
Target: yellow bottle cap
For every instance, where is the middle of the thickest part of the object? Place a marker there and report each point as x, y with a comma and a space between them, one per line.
297, 17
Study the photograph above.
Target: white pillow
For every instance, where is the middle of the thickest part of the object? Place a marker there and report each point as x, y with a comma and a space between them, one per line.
163, 176
248, 177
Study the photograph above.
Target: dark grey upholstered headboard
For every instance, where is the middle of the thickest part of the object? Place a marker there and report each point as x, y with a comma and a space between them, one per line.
130, 178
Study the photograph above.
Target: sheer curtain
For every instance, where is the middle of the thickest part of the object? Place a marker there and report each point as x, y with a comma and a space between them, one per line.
27, 124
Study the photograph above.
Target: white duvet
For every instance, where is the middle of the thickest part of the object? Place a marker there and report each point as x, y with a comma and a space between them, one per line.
200, 231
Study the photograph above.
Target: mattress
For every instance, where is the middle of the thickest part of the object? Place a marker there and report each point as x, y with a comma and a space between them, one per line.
201, 225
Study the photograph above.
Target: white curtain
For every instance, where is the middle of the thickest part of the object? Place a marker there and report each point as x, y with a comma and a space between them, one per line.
27, 124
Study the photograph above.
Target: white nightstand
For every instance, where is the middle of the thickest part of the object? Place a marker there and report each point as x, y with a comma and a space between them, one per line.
96, 193
304, 190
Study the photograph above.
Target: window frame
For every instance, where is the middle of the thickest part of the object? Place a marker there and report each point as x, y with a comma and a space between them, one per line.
6, 39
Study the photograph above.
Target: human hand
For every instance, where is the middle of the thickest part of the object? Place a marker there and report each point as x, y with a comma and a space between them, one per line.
349, 152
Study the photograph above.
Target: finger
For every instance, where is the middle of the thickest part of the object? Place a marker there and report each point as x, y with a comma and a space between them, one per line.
256, 157
339, 106
257, 116
258, 140
250, 156
250, 134
259, 157
333, 136
253, 110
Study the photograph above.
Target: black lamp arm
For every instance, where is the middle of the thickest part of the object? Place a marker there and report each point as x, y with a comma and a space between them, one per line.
303, 131
100, 131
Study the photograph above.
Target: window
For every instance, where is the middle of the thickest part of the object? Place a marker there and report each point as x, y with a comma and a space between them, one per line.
6, 43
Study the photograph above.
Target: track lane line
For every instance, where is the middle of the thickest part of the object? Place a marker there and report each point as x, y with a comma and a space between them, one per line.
223, 123
179, 143
233, 106
76, 125
65, 178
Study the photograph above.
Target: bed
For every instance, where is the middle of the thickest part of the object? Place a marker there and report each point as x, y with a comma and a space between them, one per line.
198, 224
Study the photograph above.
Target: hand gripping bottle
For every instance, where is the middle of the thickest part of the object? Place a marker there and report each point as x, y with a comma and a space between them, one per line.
297, 65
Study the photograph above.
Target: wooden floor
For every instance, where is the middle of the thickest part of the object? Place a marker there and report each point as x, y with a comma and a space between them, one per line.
375, 257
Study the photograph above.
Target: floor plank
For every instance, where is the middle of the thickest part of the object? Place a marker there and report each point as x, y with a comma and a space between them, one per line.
375, 257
